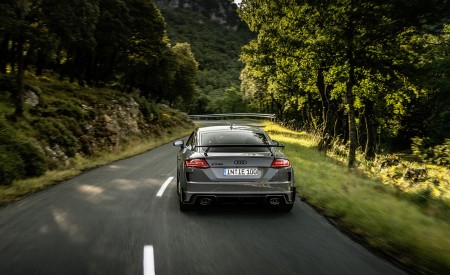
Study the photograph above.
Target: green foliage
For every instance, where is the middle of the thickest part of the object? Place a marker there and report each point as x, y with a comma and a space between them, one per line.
7, 83
74, 24
186, 71
61, 108
54, 132
146, 50
147, 107
95, 43
421, 147
430, 116
18, 158
11, 166
373, 210
350, 70
216, 48
442, 153
33, 158
201, 104
72, 122
122, 42
438, 154
230, 101
168, 118
422, 196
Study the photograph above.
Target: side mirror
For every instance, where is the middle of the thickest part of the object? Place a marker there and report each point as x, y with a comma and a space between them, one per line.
179, 143
275, 142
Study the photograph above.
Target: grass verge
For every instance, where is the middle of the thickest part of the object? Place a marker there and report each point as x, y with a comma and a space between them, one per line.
366, 207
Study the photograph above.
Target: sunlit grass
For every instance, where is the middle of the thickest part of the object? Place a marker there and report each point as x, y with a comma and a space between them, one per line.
431, 189
302, 138
21, 188
371, 210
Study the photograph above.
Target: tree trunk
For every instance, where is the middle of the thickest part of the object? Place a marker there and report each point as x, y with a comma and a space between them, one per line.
18, 99
278, 106
349, 101
13, 53
88, 69
59, 66
370, 146
349, 98
40, 62
4, 54
28, 57
327, 113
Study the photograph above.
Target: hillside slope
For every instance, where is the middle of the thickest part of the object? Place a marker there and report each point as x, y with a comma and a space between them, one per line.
216, 35
65, 124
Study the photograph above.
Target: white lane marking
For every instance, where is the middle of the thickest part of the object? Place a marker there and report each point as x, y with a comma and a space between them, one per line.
149, 261
163, 187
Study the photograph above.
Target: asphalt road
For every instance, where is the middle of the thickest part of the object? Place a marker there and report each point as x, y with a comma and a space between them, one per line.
102, 221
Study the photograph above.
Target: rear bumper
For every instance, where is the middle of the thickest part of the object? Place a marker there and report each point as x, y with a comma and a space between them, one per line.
235, 197
236, 187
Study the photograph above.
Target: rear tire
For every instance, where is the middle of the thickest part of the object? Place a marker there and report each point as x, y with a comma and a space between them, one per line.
183, 206
285, 207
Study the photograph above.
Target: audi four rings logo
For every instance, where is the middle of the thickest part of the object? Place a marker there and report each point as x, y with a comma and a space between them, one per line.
240, 162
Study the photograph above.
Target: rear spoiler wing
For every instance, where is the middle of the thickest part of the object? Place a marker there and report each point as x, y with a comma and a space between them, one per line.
268, 146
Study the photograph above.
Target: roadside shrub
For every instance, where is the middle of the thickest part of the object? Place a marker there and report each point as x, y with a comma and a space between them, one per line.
442, 153
7, 83
60, 108
34, 159
18, 158
69, 109
73, 125
421, 147
147, 108
11, 166
55, 133
438, 154
62, 86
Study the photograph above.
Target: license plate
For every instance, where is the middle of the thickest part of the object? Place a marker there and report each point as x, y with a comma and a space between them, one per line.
240, 171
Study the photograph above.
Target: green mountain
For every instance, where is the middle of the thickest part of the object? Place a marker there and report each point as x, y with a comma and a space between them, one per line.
216, 35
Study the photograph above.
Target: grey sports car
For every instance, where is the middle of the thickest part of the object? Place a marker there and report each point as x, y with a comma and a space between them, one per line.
233, 164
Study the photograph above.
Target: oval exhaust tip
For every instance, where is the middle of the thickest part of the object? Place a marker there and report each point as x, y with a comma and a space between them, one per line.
205, 201
274, 201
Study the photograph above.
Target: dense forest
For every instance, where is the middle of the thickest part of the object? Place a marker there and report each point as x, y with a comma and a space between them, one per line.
371, 74
216, 35
80, 79
95, 43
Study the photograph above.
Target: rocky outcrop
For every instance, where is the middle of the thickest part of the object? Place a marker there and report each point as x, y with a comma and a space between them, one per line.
122, 120
90, 125
113, 124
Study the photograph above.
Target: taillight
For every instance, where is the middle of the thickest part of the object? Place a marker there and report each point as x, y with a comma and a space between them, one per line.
280, 163
196, 163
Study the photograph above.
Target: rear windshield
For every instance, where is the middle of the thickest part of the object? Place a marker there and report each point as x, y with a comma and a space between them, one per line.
235, 137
